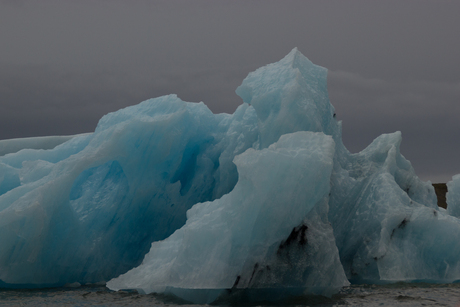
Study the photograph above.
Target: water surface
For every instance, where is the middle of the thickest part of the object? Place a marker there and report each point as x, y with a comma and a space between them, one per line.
400, 294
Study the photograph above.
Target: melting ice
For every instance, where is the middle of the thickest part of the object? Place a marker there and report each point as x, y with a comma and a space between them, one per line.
166, 196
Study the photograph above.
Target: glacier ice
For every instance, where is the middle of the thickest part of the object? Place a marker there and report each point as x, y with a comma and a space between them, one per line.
166, 196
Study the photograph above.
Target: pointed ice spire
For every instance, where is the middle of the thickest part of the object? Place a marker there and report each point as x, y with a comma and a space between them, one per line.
289, 96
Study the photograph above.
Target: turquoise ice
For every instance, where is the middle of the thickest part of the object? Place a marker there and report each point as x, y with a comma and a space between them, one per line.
88, 209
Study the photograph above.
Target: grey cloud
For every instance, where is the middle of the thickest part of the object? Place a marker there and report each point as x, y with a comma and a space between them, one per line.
425, 112
37, 100
393, 64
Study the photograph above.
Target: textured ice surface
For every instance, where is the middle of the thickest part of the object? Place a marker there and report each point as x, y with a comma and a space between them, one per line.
44, 142
386, 222
242, 239
266, 199
89, 209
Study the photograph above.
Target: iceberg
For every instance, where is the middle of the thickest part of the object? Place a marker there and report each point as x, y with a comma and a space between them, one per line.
166, 196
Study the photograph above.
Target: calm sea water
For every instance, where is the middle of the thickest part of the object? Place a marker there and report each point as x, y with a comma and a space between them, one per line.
357, 295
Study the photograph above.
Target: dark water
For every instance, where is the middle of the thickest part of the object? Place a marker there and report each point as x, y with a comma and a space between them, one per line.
357, 295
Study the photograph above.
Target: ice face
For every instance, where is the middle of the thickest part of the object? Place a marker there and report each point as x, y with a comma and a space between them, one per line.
376, 200
266, 199
243, 239
89, 209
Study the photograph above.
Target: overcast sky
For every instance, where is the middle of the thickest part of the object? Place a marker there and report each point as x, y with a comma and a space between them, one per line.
393, 65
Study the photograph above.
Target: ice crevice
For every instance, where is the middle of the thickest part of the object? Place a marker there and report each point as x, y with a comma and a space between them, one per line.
166, 196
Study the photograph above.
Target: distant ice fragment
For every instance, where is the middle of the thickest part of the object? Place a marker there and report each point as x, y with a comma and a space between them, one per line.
453, 196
